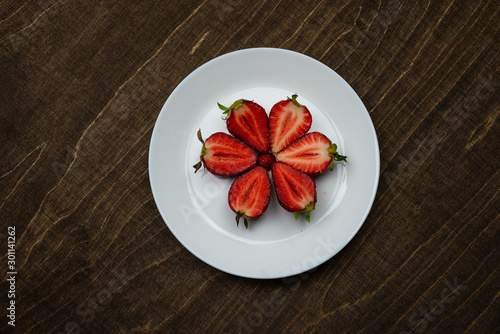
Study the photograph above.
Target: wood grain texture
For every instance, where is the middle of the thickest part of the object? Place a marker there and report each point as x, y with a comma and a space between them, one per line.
81, 86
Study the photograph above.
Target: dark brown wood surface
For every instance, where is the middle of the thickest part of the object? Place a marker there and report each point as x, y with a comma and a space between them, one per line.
81, 85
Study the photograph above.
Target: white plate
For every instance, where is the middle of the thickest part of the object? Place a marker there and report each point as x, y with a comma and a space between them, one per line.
194, 206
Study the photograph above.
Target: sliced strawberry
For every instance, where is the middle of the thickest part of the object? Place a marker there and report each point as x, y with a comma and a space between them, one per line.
311, 154
247, 121
288, 120
249, 194
266, 160
296, 190
225, 155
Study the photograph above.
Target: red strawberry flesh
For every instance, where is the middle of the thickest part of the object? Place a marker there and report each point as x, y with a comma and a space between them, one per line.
296, 191
248, 121
266, 160
249, 194
288, 120
225, 155
311, 154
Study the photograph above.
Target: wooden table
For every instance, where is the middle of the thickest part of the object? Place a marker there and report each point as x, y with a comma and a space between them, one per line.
81, 86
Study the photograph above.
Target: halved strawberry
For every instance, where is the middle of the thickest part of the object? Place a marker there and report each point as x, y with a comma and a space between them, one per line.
296, 190
225, 155
247, 121
288, 120
249, 194
311, 153
266, 160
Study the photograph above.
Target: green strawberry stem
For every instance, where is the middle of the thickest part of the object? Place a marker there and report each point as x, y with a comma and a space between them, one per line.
200, 138
245, 221
332, 151
306, 212
234, 106
221, 107
294, 100
200, 163
197, 166
226, 110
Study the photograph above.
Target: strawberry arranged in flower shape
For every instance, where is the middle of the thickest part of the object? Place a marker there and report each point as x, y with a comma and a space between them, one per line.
249, 194
296, 190
288, 120
247, 121
279, 144
225, 155
311, 154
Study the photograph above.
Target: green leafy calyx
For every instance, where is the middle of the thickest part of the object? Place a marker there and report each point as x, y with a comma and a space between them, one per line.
200, 163
306, 212
294, 100
240, 215
332, 151
234, 106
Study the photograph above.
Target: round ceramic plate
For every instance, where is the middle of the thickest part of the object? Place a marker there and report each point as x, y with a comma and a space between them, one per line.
194, 206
